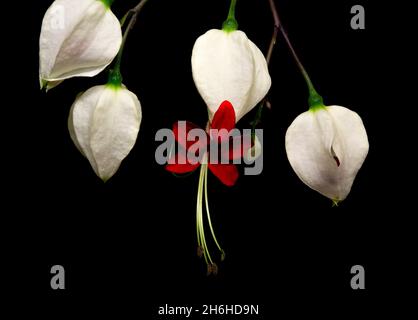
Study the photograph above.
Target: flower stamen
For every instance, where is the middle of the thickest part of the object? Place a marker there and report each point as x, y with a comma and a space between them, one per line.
209, 219
202, 249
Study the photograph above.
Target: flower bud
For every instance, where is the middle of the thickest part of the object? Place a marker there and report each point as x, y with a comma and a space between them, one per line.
104, 124
326, 148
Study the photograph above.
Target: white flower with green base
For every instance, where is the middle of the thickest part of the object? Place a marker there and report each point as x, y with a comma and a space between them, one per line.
226, 65
104, 121
104, 124
83, 43
326, 145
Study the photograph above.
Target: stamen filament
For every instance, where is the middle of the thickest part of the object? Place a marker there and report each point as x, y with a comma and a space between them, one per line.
209, 219
201, 240
203, 249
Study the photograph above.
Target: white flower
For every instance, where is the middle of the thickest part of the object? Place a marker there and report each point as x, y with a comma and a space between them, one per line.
228, 66
326, 147
104, 123
79, 38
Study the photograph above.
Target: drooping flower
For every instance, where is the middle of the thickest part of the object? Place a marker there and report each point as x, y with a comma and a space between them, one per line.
219, 134
226, 65
104, 124
79, 38
231, 75
326, 147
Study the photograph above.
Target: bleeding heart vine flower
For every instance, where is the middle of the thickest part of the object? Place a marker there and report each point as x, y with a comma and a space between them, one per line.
231, 75
226, 65
104, 124
327, 145
218, 134
79, 38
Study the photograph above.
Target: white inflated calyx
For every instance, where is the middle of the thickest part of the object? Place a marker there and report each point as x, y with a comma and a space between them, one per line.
79, 38
326, 148
104, 124
226, 65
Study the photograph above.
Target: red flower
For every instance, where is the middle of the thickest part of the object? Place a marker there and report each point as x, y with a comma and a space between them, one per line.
220, 128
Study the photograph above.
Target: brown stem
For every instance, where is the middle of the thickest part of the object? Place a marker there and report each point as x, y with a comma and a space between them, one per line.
134, 15
279, 27
134, 11
273, 41
275, 32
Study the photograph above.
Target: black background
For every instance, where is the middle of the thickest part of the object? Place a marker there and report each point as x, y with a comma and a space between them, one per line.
128, 246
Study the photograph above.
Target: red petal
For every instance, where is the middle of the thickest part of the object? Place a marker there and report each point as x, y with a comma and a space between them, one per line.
224, 118
179, 164
180, 133
227, 173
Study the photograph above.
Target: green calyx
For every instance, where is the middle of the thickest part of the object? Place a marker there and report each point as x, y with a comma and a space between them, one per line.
115, 79
107, 3
316, 102
231, 24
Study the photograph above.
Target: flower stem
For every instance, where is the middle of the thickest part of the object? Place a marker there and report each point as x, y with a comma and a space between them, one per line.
231, 24
315, 100
275, 31
269, 55
115, 74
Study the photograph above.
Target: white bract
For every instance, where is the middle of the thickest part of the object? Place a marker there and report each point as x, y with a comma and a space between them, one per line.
104, 124
228, 66
326, 147
79, 38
